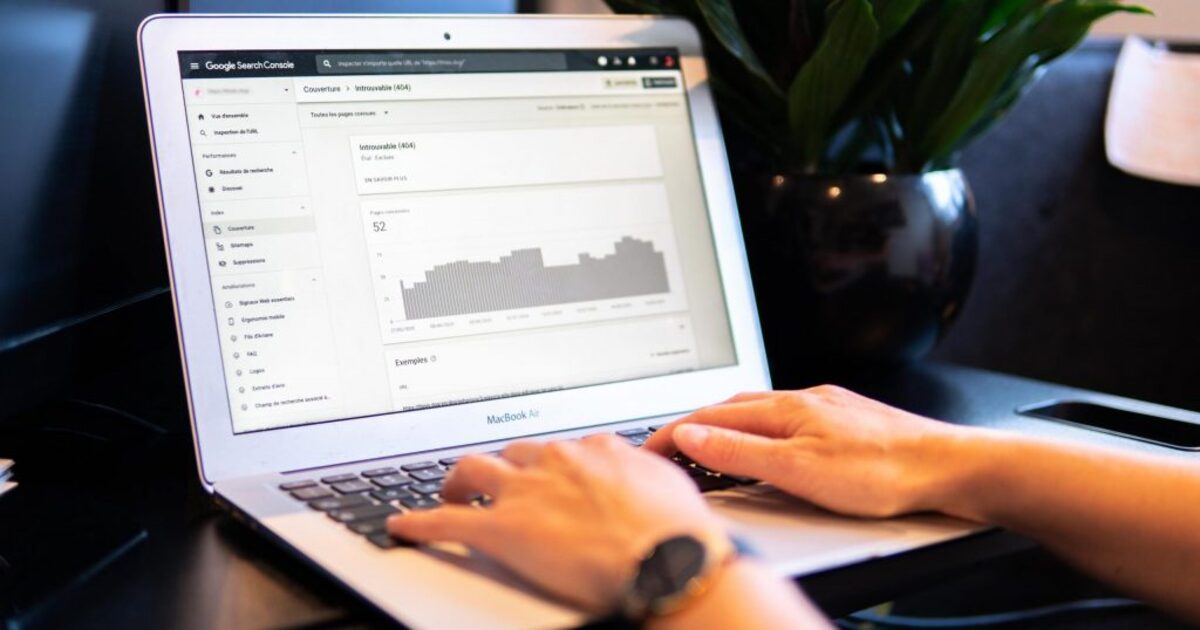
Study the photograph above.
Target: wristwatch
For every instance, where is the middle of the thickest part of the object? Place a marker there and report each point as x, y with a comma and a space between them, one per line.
675, 572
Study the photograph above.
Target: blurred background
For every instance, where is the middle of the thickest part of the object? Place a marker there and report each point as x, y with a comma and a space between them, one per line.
1087, 276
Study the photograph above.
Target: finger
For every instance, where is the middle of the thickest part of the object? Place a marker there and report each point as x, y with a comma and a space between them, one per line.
756, 416
604, 441
748, 397
474, 475
524, 454
732, 452
449, 523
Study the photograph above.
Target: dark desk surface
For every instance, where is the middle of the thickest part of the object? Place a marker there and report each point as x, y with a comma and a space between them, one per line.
110, 528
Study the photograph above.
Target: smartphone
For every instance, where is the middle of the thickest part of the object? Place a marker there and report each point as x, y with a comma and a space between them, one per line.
1131, 424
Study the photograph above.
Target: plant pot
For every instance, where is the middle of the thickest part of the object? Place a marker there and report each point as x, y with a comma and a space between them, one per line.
856, 273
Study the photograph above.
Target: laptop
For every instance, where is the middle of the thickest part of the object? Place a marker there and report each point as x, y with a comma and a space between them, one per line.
396, 240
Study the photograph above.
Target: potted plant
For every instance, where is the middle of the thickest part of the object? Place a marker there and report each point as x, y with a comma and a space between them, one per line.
843, 120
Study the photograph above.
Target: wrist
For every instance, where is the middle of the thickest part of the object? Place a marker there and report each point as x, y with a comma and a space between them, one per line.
960, 464
728, 577
675, 572
744, 594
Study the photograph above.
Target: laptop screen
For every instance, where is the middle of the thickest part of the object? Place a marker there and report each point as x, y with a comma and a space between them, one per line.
396, 230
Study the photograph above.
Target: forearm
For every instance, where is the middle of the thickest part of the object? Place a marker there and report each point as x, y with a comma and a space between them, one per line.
745, 595
1130, 519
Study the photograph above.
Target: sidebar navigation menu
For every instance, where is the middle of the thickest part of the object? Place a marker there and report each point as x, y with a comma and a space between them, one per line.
264, 260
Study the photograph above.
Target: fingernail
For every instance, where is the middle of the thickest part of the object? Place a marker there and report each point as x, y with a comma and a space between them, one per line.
691, 436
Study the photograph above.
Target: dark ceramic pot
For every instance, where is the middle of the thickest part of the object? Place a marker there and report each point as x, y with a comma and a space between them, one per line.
859, 272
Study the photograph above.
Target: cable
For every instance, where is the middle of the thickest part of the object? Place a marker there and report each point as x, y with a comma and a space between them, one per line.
996, 619
70, 322
121, 413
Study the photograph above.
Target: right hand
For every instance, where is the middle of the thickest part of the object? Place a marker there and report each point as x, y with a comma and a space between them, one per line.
827, 445
573, 517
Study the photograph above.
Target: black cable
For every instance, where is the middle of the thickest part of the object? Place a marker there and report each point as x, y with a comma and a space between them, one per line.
121, 413
996, 619
70, 322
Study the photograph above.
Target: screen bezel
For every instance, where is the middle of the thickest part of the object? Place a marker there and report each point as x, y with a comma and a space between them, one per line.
222, 454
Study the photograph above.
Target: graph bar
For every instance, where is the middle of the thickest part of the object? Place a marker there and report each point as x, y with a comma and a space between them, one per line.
522, 280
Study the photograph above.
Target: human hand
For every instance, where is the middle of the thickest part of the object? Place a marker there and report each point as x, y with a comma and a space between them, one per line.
827, 445
575, 518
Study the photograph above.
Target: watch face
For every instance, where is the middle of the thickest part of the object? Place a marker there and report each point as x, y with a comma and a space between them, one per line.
673, 564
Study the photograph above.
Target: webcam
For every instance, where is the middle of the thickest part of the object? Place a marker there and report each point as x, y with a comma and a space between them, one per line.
446, 36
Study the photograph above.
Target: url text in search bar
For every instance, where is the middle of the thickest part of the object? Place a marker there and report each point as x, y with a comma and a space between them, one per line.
434, 62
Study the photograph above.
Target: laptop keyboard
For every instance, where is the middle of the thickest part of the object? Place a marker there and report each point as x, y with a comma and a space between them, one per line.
363, 502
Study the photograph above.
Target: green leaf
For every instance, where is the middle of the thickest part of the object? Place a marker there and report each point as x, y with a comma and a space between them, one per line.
723, 23
887, 81
1008, 11
953, 48
908, 82
824, 82
1037, 38
892, 15
1014, 89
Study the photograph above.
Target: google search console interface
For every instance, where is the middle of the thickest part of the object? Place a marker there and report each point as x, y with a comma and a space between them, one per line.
395, 230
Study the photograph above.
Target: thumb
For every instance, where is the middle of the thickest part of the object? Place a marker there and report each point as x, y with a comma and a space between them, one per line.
729, 451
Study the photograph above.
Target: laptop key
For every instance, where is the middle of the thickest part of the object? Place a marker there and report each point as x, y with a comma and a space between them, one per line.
361, 513
682, 460
368, 526
427, 487
352, 486
391, 494
339, 503
420, 503
655, 428
339, 478
632, 432
417, 466
391, 481
297, 485
385, 541
449, 461
308, 494
428, 474
379, 472
708, 483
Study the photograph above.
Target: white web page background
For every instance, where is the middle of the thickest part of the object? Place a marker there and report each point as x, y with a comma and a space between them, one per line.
313, 331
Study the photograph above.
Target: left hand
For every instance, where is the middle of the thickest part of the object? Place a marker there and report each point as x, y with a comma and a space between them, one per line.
572, 517
830, 446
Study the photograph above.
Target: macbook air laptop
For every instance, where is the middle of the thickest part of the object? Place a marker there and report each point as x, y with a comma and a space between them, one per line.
394, 241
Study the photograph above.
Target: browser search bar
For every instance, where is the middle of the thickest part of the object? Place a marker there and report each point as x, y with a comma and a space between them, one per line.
435, 62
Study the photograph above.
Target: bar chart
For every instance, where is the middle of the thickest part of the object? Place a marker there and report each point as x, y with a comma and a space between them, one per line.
455, 264
522, 280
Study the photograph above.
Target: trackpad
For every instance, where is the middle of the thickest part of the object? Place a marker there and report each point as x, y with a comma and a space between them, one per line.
797, 538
